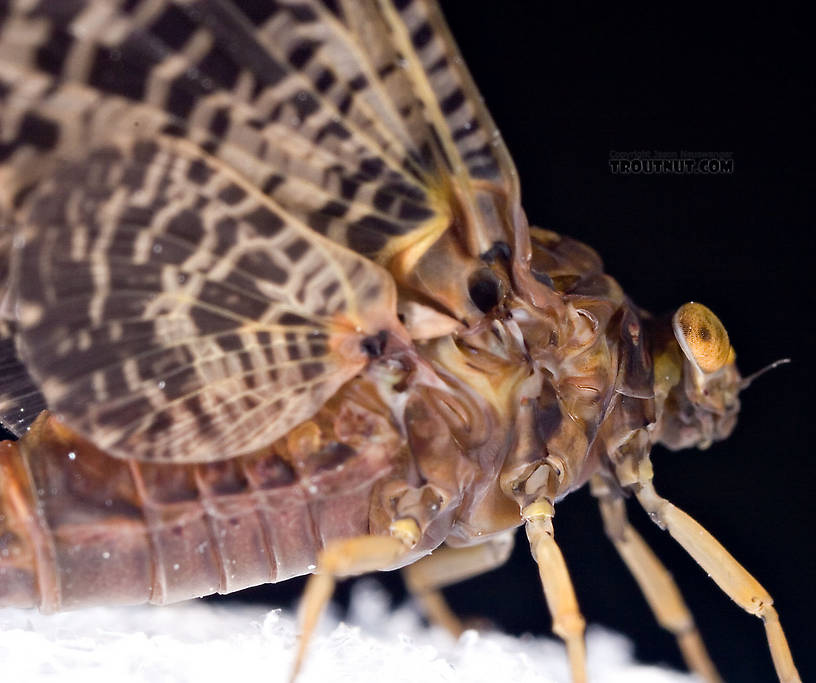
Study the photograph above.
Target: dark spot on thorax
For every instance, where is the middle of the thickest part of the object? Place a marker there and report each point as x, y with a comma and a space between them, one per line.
499, 250
374, 345
547, 414
484, 290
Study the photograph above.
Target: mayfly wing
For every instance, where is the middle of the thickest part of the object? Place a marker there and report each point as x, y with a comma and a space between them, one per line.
20, 398
469, 179
417, 62
359, 117
171, 311
356, 119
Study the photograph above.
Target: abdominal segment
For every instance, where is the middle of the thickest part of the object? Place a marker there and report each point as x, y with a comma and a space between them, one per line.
80, 528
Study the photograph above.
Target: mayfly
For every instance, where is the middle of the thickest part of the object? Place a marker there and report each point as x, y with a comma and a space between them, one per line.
270, 306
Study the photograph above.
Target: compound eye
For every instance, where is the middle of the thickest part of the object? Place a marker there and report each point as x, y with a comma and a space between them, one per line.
702, 337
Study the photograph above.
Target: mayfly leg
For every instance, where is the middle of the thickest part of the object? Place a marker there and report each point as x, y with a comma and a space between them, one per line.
348, 557
567, 621
446, 566
720, 565
655, 581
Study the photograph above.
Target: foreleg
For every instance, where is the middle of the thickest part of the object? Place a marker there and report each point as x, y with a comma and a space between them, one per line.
656, 583
718, 563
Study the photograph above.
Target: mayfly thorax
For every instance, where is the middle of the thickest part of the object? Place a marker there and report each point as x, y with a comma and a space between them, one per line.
270, 306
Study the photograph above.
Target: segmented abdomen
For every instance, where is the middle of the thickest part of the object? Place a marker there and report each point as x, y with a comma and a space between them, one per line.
79, 528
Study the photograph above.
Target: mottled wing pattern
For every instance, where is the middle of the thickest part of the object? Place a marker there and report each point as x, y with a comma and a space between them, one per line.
20, 398
162, 314
357, 116
170, 311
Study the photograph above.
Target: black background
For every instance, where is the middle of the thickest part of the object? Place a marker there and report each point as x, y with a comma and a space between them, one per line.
565, 87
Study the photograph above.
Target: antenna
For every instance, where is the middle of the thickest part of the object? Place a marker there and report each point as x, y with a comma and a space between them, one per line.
746, 382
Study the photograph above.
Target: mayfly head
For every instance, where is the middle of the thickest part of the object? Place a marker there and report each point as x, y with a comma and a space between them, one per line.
696, 379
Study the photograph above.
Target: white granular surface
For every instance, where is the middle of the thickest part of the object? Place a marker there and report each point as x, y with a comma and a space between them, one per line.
201, 642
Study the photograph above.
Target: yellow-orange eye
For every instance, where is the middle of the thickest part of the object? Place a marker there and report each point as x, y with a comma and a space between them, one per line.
702, 337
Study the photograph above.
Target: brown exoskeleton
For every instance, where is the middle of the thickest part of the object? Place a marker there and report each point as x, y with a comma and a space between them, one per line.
267, 270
